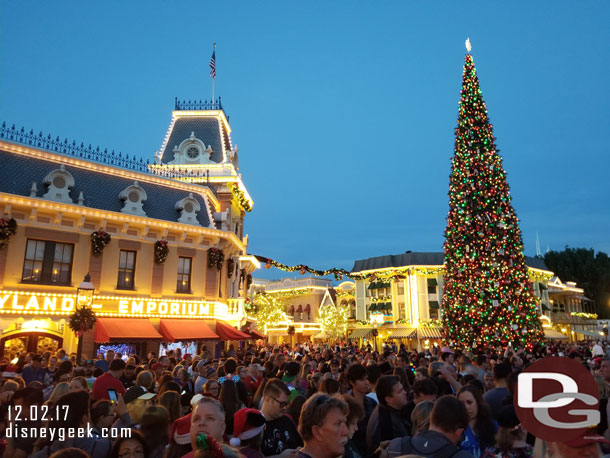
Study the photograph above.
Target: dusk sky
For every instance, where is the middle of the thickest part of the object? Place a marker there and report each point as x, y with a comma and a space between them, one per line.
343, 111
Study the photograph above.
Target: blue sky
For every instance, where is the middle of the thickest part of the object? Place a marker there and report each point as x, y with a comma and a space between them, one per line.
343, 111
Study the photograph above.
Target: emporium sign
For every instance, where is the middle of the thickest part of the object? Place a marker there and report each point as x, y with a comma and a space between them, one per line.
64, 304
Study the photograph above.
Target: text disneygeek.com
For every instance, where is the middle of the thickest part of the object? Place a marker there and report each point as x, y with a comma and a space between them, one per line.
61, 434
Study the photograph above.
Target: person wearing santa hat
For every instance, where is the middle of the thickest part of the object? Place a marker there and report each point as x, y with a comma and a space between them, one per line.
248, 426
208, 421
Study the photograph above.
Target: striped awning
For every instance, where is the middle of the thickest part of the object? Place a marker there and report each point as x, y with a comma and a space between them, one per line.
360, 333
402, 333
429, 333
552, 334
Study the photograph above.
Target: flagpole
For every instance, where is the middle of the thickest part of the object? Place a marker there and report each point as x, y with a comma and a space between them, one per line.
213, 79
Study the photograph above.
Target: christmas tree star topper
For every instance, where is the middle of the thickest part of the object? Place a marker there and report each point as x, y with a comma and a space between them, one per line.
468, 46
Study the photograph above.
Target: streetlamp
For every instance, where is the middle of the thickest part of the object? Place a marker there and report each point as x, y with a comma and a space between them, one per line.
84, 298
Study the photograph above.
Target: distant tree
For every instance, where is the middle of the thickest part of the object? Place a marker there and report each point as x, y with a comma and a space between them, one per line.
269, 312
333, 319
590, 271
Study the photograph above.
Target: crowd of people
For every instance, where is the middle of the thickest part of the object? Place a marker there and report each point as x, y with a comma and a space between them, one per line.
279, 401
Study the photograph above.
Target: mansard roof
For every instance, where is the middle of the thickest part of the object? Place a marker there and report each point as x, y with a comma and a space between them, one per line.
206, 121
100, 184
421, 259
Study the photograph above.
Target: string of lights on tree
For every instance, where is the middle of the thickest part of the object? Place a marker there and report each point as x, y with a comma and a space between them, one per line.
333, 319
488, 298
269, 311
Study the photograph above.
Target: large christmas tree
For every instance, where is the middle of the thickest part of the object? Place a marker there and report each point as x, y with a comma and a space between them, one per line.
488, 298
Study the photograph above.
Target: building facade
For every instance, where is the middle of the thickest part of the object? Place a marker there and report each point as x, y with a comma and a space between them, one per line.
571, 312
401, 297
301, 300
192, 201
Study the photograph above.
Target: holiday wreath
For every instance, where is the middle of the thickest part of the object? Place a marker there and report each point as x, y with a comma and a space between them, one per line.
99, 239
161, 251
8, 228
82, 320
215, 258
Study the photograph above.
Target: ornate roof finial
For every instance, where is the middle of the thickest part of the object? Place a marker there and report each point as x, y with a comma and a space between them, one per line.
468, 46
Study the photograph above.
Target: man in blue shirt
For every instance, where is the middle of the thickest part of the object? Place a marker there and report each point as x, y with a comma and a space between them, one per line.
34, 372
103, 364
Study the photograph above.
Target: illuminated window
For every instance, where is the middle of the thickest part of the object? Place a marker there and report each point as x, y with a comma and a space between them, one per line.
48, 263
184, 275
127, 269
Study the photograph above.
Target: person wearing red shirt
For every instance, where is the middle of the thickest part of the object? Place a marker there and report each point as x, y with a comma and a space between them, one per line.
110, 379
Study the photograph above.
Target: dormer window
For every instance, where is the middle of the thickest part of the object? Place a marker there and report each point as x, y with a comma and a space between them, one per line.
134, 197
59, 182
188, 207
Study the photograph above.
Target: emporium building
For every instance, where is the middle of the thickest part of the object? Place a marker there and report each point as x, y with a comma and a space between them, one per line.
147, 297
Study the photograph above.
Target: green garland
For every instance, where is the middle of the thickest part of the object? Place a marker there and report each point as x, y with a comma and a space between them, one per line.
242, 201
340, 273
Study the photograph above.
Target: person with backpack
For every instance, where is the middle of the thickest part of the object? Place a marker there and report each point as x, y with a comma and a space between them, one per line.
448, 421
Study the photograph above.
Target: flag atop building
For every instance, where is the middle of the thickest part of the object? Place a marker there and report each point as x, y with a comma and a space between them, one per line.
213, 64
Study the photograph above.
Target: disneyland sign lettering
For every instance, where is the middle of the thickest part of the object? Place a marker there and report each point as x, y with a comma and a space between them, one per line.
36, 303
63, 304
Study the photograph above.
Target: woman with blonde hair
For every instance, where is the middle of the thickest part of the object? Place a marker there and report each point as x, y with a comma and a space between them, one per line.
79, 384
59, 390
420, 417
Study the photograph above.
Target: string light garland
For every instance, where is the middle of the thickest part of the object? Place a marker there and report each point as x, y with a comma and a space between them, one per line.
591, 316
488, 299
389, 274
241, 199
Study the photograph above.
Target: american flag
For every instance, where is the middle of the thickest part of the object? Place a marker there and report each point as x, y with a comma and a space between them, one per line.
213, 65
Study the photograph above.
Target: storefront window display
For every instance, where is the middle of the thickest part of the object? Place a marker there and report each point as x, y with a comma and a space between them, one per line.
125, 349
185, 347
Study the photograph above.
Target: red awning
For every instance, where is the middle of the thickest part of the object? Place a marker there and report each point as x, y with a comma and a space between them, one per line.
300, 309
124, 329
227, 332
176, 330
308, 308
257, 335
